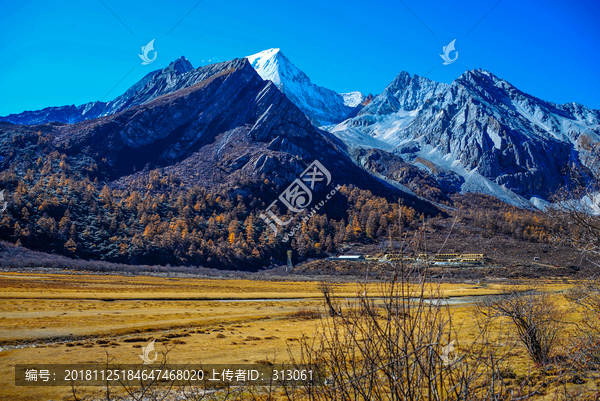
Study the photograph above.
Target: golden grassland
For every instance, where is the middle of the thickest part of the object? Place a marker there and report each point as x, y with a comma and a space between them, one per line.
76, 318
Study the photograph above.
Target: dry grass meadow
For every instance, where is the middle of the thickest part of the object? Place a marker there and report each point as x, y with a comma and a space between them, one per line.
78, 318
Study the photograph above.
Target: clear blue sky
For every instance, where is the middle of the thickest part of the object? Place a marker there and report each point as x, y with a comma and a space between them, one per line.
72, 52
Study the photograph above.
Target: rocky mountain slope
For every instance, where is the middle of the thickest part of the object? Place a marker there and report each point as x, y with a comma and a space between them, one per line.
225, 125
495, 138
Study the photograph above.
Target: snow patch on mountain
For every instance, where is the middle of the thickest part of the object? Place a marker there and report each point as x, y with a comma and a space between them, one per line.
474, 181
540, 203
353, 99
381, 128
356, 137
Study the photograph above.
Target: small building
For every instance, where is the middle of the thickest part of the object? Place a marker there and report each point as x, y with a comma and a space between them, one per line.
446, 256
473, 261
350, 258
472, 256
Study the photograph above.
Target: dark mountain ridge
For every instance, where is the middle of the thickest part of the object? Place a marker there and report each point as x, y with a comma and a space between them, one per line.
154, 84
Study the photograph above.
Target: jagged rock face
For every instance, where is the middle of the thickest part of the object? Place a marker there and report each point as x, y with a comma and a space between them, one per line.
154, 84
479, 124
404, 93
511, 138
367, 99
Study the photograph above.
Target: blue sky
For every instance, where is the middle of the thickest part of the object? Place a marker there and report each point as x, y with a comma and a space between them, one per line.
72, 52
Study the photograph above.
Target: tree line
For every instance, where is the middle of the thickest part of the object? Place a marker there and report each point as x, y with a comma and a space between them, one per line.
54, 207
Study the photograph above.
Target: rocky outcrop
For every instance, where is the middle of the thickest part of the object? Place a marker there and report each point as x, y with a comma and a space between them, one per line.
404, 93
511, 138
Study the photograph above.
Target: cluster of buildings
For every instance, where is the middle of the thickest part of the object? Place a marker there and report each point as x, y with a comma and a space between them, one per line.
442, 259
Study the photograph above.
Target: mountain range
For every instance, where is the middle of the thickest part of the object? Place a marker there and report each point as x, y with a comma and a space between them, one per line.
480, 129
262, 115
216, 125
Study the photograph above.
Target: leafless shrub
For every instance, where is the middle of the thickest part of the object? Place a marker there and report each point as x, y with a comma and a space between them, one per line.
576, 205
587, 295
397, 345
535, 315
150, 390
327, 288
576, 211
584, 347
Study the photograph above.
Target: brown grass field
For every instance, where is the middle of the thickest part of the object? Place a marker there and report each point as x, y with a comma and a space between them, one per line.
78, 318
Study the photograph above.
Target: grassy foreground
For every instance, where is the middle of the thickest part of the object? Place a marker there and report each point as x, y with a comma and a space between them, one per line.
75, 318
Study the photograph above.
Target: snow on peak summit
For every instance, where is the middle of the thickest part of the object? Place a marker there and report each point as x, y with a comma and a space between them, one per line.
353, 99
264, 55
321, 105
272, 65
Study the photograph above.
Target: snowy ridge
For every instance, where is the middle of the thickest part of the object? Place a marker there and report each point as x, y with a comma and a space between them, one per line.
353, 99
321, 105
501, 141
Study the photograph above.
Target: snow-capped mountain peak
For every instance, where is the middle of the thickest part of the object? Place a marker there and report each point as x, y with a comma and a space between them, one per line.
268, 64
321, 105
